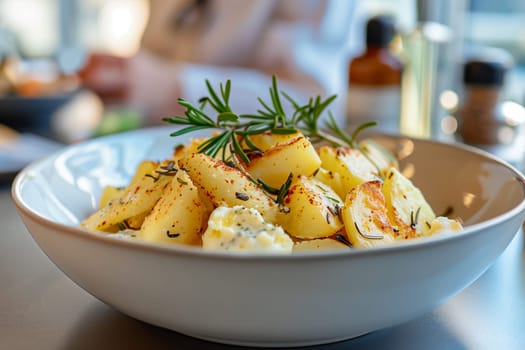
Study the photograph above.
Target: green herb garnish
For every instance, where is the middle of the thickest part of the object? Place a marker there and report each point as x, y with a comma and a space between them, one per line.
232, 141
235, 129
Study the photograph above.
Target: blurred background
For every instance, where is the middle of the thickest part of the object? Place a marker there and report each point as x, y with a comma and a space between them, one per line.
71, 70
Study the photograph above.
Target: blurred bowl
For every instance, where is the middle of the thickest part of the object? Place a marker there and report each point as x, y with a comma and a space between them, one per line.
269, 300
31, 114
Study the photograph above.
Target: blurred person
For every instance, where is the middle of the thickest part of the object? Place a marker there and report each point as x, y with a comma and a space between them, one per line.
219, 39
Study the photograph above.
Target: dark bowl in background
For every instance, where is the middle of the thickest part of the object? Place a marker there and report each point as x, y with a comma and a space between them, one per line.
31, 114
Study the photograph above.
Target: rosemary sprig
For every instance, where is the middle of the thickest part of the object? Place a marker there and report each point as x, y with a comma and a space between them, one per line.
350, 141
235, 129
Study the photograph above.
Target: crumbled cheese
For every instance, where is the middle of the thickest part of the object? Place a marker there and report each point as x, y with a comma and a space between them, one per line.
244, 229
125, 234
442, 224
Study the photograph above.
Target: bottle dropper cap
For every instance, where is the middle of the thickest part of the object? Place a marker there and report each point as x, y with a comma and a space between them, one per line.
380, 30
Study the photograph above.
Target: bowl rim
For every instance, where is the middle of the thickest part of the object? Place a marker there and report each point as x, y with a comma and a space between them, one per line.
198, 252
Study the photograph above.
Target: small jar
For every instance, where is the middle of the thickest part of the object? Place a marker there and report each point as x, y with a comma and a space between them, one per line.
480, 119
485, 119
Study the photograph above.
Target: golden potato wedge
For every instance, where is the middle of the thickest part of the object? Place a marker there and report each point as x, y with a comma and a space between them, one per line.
407, 207
145, 167
378, 155
184, 150
178, 215
227, 186
353, 167
365, 216
332, 180
208, 206
296, 156
318, 244
110, 193
267, 140
135, 222
139, 197
313, 209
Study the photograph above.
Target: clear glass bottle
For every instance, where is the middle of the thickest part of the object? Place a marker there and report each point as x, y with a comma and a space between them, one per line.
374, 79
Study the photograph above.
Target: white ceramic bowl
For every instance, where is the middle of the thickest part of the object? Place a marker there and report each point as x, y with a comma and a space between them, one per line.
270, 300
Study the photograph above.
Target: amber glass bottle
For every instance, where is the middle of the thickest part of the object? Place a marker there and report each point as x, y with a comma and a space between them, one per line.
374, 79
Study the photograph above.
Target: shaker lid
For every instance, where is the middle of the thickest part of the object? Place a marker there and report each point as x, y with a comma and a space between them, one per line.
487, 68
380, 30
479, 72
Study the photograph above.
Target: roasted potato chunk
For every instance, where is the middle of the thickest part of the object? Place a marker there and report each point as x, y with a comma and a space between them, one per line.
296, 156
332, 180
318, 244
135, 222
365, 216
353, 167
109, 193
227, 186
139, 197
312, 209
184, 150
267, 140
178, 215
378, 155
407, 208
